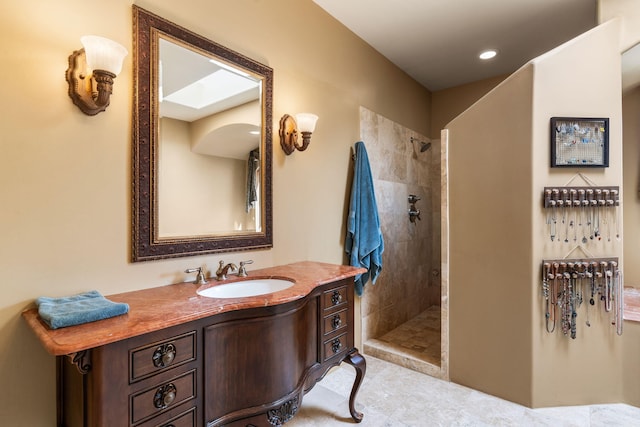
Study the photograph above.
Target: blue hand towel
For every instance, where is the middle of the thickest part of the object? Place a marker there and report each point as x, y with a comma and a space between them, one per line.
77, 309
364, 242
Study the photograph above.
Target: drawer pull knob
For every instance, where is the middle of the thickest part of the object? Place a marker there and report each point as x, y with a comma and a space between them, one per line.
164, 355
336, 298
336, 321
165, 395
336, 345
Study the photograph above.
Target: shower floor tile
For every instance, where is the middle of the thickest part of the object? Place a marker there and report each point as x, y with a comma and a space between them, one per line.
415, 344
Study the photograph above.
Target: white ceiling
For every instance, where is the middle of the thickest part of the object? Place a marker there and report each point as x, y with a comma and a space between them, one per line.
437, 42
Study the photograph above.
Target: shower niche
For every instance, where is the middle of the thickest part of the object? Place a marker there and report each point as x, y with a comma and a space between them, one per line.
404, 315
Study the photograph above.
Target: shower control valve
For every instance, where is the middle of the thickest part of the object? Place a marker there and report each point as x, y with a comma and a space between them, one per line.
414, 214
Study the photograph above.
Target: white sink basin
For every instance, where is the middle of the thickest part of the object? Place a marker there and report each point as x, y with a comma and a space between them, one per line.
246, 288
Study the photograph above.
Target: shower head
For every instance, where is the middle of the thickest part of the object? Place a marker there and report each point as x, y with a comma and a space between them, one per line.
424, 146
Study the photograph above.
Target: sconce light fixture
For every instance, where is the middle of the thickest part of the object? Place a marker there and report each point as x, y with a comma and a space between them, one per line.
305, 123
91, 72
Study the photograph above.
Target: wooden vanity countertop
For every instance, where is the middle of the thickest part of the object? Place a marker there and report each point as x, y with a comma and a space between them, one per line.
165, 306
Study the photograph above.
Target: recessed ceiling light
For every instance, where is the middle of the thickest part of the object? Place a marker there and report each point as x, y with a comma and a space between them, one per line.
488, 54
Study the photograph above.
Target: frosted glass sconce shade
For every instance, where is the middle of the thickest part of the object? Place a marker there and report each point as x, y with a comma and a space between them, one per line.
103, 54
91, 72
305, 123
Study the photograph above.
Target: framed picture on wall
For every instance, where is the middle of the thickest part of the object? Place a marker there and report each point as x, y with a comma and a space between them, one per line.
579, 142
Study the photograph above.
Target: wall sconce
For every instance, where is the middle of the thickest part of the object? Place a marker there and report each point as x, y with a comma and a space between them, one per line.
91, 72
305, 123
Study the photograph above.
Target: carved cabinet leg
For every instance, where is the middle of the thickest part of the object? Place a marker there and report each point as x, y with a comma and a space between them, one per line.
356, 360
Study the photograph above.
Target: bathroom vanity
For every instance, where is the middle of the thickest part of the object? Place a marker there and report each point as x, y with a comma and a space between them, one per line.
181, 359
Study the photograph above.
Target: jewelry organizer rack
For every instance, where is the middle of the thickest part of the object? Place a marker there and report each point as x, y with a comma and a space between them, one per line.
566, 283
582, 210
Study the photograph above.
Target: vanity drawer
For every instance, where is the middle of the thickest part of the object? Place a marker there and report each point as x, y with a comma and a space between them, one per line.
185, 419
335, 297
335, 346
158, 399
334, 322
153, 358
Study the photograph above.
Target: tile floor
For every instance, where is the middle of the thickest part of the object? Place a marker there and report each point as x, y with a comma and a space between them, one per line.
419, 337
394, 396
416, 344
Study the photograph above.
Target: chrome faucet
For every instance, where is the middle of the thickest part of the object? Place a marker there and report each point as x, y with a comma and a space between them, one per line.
200, 279
221, 273
242, 271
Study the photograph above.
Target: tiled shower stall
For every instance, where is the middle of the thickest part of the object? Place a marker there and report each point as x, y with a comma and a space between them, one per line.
402, 313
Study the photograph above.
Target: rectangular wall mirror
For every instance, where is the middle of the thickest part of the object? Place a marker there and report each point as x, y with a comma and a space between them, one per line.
201, 144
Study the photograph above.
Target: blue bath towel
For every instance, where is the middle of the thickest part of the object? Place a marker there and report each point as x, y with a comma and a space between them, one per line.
364, 242
77, 309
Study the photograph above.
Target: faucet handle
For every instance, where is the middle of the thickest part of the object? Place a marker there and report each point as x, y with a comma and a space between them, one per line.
220, 267
221, 273
414, 214
242, 271
200, 279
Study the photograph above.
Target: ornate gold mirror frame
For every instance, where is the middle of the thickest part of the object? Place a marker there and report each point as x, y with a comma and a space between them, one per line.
146, 242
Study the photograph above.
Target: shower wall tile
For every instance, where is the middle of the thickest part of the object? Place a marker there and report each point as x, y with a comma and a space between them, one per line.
420, 167
369, 128
390, 165
389, 196
391, 134
407, 285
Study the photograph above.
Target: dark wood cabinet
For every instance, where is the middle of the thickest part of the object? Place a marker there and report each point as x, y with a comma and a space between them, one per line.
127, 383
247, 367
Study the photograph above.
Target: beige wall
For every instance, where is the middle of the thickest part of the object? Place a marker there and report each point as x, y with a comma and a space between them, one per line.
193, 186
65, 177
629, 12
631, 208
498, 342
631, 202
249, 113
446, 104
489, 182
630, 368
559, 365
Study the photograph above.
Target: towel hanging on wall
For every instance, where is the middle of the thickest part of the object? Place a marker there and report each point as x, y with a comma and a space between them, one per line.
364, 243
253, 163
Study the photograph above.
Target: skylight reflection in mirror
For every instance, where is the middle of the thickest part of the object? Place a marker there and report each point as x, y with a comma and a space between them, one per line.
202, 88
